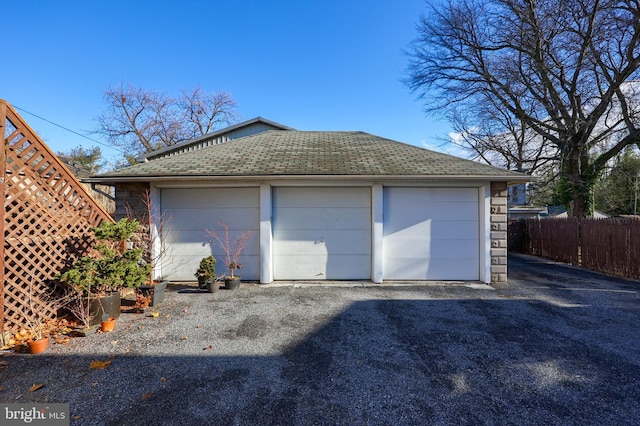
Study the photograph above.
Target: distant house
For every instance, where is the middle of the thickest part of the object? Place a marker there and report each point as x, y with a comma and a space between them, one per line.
325, 206
527, 212
559, 212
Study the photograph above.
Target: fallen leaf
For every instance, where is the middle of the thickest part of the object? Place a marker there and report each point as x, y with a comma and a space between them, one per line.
198, 326
185, 338
35, 387
155, 314
162, 379
99, 365
77, 417
208, 347
1, 388
62, 340
146, 395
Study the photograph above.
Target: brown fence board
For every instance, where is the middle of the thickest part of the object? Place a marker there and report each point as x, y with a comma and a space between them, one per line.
46, 218
554, 239
611, 246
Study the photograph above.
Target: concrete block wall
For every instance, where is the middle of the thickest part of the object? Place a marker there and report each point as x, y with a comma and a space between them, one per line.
131, 203
498, 232
130, 200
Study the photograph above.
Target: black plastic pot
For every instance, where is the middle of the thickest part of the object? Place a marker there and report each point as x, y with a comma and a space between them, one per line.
232, 283
106, 305
156, 291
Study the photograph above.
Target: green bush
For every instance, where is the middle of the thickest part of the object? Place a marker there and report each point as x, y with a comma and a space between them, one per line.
206, 271
111, 269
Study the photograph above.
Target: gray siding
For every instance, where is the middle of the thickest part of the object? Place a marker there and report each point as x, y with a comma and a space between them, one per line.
217, 139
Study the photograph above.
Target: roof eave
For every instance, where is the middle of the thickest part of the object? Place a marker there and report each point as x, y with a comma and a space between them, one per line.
509, 179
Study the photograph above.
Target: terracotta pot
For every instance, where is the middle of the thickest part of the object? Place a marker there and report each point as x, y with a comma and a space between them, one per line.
38, 346
108, 325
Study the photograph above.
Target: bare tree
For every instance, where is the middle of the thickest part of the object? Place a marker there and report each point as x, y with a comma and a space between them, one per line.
140, 121
560, 68
204, 112
490, 135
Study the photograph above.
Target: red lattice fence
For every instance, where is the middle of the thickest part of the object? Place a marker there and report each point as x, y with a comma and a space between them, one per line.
46, 219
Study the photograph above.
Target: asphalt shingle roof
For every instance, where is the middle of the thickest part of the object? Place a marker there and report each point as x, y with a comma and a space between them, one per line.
299, 153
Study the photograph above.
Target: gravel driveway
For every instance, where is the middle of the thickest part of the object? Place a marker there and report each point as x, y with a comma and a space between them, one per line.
557, 345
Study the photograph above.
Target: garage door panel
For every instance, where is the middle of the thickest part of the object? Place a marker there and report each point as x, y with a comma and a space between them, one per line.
186, 242
414, 247
450, 249
465, 268
334, 242
429, 209
347, 267
440, 269
451, 211
191, 211
182, 267
431, 233
395, 247
322, 218
198, 219
322, 233
455, 230
399, 196
440, 230
316, 197
207, 198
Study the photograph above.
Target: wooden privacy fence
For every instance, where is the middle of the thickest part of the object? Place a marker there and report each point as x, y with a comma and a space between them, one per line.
46, 220
611, 246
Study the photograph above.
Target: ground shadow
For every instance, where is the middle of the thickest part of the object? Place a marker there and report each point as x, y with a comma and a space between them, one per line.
376, 362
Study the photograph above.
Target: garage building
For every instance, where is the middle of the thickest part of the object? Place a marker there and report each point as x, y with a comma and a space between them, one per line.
326, 206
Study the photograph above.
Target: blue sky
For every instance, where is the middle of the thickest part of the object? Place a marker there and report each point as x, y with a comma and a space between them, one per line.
311, 65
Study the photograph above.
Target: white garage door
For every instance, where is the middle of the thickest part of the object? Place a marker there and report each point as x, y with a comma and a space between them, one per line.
193, 211
431, 234
321, 233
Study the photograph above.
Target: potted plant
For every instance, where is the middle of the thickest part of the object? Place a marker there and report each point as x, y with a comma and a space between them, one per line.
232, 252
108, 323
39, 342
109, 268
206, 274
153, 290
36, 322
